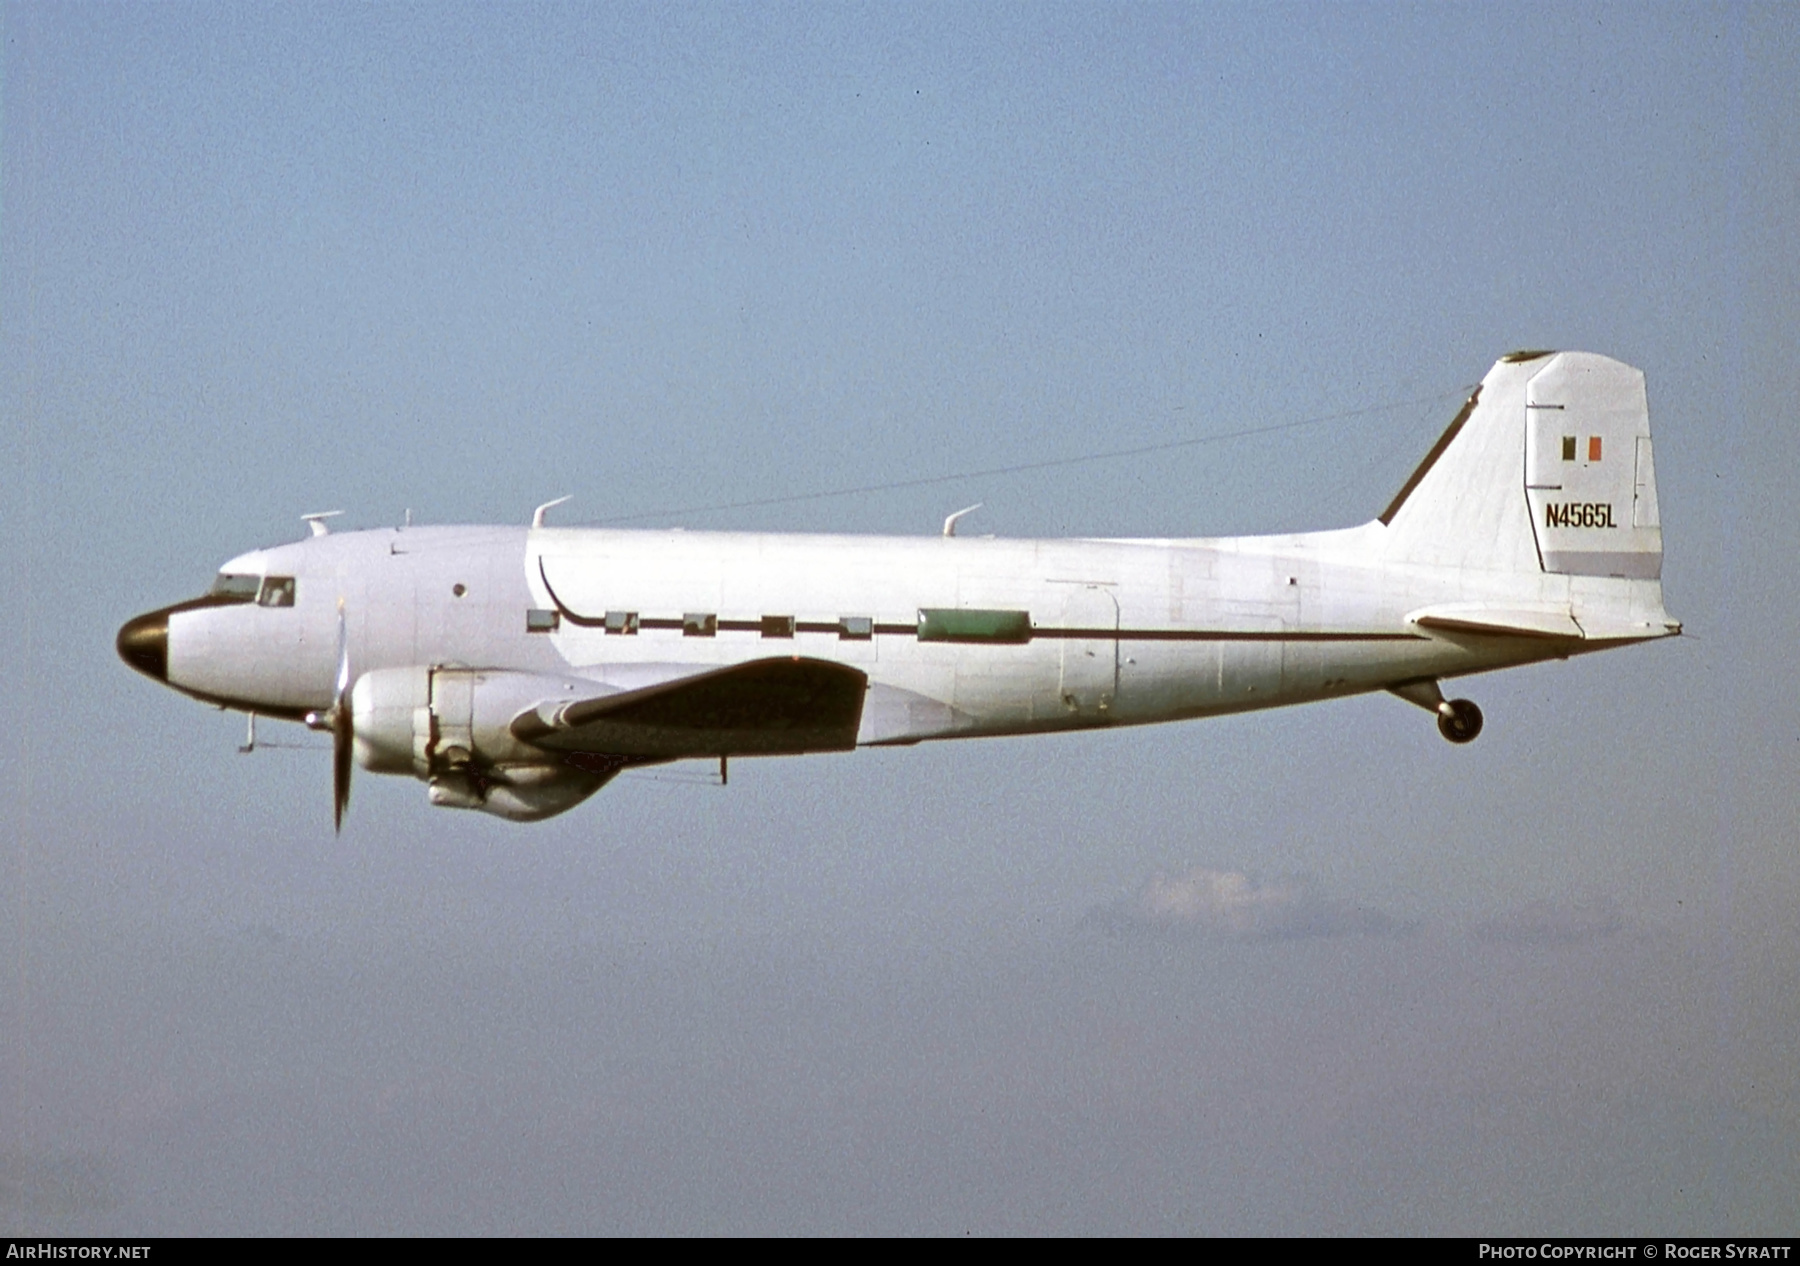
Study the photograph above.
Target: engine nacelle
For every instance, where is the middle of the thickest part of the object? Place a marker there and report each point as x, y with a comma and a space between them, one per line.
451, 727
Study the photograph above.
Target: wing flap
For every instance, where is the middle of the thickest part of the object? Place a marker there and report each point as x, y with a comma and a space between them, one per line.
764, 707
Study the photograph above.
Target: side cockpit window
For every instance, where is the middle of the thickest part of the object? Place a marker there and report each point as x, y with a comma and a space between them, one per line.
277, 591
235, 588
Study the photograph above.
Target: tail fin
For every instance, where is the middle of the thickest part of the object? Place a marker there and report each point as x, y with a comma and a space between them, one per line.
1546, 468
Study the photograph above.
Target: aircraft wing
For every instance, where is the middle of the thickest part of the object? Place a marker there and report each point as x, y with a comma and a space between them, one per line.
765, 707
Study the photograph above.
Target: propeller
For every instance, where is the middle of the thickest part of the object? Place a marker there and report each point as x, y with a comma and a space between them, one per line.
341, 723
343, 732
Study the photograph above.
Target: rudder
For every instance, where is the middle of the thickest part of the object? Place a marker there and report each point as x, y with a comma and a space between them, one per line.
1547, 468
1589, 475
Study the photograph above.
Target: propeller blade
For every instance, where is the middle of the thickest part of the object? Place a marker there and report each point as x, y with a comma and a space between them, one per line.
343, 673
343, 729
342, 750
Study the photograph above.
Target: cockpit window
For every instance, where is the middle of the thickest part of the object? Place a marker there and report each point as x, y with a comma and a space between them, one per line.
236, 588
277, 591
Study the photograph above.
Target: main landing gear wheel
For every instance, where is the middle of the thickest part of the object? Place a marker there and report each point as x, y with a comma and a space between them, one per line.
1459, 720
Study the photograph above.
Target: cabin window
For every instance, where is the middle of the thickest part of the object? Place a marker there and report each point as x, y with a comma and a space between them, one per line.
778, 626
856, 628
946, 624
622, 623
699, 624
277, 591
541, 620
234, 587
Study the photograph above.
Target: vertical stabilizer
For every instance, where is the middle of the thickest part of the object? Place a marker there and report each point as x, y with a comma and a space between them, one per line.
1547, 468
1465, 505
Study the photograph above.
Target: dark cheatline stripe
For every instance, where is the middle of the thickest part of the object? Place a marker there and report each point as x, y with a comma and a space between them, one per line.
1050, 634
1218, 635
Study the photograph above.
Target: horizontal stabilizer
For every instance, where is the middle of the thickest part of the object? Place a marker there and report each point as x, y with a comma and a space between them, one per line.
765, 707
1475, 617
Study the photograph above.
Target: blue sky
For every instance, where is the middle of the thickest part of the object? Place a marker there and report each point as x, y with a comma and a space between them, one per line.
256, 262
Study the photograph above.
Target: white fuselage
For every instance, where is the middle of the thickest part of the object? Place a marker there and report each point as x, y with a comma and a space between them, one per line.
1122, 632
516, 669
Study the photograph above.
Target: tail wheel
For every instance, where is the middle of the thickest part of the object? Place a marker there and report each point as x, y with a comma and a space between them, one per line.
1459, 720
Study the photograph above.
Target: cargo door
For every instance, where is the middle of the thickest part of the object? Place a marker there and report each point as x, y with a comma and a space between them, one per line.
1090, 651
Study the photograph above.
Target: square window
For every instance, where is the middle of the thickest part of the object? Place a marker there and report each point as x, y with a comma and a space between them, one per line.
540, 620
277, 591
856, 628
236, 588
623, 623
1568, 448
778, 626
1593, 448
699, 624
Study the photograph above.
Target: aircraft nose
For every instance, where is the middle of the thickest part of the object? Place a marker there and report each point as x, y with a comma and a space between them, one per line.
144, 644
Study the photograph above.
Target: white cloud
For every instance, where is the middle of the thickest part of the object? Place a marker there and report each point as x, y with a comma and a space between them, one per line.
1226, 901
1229, 903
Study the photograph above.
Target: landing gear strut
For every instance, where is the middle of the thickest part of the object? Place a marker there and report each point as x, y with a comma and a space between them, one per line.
1458, 720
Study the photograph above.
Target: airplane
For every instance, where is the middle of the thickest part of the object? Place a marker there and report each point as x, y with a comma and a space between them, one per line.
516, 670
